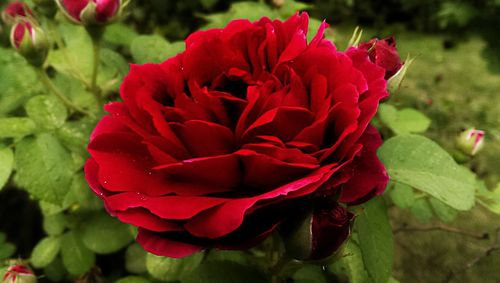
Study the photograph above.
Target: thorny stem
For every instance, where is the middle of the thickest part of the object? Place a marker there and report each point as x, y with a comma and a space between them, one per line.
50, 85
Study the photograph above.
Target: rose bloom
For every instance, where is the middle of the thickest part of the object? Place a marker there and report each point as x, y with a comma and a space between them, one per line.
219, 145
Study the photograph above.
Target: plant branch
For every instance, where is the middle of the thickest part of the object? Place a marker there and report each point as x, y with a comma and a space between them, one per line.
443, 228
495, 246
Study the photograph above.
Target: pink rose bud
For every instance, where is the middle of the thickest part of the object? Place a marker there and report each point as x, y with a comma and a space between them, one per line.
321, 233
90, 12
383, 52
470, 141
16, 10
30, 41
18, 273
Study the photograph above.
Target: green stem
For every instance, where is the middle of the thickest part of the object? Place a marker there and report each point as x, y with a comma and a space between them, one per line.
96, 48
50, 85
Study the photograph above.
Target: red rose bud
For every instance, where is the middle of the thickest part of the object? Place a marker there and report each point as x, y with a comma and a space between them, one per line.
383, 52
470, 141
16, 10
30, 41
18, 273
320, 234
90, 12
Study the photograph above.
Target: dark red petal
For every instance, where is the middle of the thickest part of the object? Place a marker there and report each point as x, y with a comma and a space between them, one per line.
18, 34
159, 245
142, 218
262, 172
125, 164
369, 174
106, 9
330, 228
166, 207
283, 122
224, 219
203, 138
74, 7
221, 171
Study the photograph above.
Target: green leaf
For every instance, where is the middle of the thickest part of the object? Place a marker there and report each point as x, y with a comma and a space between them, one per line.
48, 208
16, 127
132, 279
6, 249
350, 264
45, 251
81, 196
54, 224
444, 212
76, 92
153, 49
405, 121
43, 168
75, 135
402, 195
376, 240
489, 199
241, 10
77, 258
135, 259
6, 165
98, 231
223, 271
309, 274
171, 269
422, 164
55, 271
47, 111
119, 34
75, 59
18, 81
422, 210
222, 255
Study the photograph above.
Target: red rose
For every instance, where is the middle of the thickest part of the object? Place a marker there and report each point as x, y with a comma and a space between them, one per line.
217, 146
383, 52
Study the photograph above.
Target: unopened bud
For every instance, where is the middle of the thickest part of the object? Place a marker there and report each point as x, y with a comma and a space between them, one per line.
90, 12
16, 10
320, 233
384, 53
30, 41
470, 141
19, 273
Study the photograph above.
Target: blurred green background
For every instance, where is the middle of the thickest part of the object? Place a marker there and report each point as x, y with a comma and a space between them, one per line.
455, 81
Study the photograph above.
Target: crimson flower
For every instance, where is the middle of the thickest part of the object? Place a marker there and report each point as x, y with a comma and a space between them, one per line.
219, 145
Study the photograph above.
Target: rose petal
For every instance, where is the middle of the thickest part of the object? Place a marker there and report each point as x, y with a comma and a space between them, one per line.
160, 245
